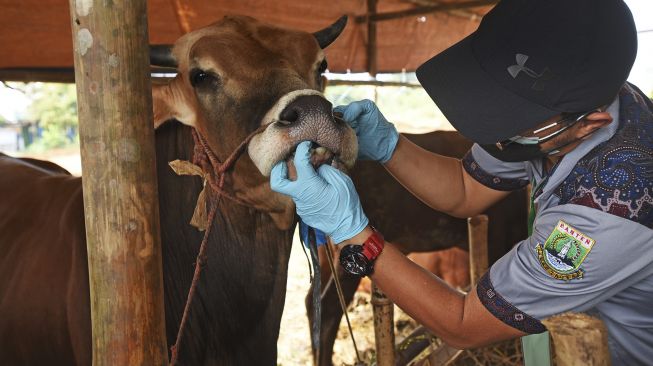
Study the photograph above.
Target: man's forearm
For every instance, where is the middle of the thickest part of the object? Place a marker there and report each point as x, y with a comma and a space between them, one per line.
422, 295
460, 320
440, 181
435, 179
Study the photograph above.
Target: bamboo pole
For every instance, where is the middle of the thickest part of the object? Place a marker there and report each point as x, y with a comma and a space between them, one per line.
384, 333
478, 265
478, 257
119, 181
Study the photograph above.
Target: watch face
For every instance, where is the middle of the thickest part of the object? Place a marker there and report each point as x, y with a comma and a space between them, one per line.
353, 261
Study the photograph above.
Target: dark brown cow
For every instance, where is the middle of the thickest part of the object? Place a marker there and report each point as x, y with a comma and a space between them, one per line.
43, 271
413, 226
233, 77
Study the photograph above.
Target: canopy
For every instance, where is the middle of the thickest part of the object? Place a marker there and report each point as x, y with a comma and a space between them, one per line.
35, 34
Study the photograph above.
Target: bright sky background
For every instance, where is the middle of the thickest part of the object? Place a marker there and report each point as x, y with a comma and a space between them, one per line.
14, 103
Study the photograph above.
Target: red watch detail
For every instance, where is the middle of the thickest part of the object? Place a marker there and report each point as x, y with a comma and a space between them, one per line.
373, 245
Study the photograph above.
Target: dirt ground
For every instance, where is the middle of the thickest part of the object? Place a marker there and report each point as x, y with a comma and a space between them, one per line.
294, 337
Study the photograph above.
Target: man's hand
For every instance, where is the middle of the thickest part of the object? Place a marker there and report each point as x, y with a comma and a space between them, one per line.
325, 199
377, 138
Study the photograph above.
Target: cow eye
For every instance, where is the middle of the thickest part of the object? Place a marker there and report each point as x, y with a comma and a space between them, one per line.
200, 78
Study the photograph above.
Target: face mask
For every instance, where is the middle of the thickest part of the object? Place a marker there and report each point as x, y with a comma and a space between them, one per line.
520, 148
517, 152
520, 152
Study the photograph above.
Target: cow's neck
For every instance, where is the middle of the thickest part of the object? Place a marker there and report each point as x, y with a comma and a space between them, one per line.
237, 310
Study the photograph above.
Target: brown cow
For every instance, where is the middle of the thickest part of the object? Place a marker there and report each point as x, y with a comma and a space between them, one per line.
413, 226
233, 77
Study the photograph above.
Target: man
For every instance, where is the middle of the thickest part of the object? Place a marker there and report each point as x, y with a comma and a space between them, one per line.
540, 87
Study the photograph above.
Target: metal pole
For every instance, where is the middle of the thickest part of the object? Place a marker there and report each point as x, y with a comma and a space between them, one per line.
119, 180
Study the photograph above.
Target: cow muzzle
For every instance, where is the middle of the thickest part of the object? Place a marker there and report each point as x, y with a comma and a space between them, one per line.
300, 116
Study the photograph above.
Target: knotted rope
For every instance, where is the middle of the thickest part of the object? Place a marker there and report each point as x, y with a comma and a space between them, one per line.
207, 165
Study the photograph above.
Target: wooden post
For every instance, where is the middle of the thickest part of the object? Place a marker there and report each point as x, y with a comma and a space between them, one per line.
371, 39
578, 339
119, 180
384, 332
478, 259
443, 354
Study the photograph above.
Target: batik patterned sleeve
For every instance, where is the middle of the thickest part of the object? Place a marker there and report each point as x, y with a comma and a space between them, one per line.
577, 258
494, 173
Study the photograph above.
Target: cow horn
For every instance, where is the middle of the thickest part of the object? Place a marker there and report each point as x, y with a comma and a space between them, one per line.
329, 34
161, 55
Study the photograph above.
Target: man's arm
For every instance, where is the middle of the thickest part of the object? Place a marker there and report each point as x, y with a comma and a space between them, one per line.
440, 181
459, 320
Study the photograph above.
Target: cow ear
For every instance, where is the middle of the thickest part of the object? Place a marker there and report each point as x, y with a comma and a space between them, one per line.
168, 104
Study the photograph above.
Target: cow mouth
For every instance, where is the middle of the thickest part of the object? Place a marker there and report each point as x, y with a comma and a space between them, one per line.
320, 155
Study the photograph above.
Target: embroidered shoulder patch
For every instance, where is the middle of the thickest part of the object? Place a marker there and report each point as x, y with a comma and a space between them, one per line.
564, 251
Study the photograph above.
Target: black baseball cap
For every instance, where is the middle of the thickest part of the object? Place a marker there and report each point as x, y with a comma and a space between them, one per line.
530, 60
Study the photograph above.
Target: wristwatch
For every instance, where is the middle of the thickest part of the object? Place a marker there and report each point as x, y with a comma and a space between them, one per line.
358, 260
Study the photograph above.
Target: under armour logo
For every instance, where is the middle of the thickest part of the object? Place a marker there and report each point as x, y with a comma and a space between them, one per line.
514, 70
521, 59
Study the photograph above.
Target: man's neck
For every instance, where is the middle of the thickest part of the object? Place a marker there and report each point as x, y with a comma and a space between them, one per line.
550, 162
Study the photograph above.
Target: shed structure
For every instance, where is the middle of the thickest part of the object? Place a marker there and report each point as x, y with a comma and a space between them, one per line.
102, 44
382, 35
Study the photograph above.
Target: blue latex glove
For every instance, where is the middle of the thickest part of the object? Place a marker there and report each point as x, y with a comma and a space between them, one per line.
325, 199
320, 237
377, 138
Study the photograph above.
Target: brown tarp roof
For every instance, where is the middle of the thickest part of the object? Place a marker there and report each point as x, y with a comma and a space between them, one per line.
36, 33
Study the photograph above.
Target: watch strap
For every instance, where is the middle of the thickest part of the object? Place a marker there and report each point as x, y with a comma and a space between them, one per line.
373, 245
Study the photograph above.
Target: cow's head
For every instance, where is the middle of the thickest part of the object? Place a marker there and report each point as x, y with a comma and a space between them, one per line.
239, 74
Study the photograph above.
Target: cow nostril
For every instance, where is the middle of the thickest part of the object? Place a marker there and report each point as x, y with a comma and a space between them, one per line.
289, 115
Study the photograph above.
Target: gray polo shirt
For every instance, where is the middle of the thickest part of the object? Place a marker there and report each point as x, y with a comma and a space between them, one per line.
592, 244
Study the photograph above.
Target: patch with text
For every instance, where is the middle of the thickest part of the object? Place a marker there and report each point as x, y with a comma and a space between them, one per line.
564, 251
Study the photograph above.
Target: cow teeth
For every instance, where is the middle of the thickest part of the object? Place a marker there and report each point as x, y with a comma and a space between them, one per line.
321, 150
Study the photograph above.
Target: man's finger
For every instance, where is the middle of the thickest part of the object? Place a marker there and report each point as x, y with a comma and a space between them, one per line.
303, 161
334, 176
342, 110
279, 181
356, 109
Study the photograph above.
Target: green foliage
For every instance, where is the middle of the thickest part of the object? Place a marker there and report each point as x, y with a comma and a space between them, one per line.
54, 107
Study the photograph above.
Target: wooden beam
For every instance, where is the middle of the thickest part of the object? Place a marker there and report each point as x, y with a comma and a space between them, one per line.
478, 258
182, 13
371, 39
384, 327
58, 74
578, 339
114, 101
421, 10
371, 83
461, 13
48, 75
